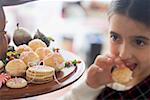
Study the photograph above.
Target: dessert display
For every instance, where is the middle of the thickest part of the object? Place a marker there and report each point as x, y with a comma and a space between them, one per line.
36, 43
40, 74
43, 52
16, 67
34, 63
122, 75
16, 83
15, 70
31, 64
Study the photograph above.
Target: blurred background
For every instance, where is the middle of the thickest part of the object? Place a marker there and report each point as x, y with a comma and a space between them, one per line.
79, 26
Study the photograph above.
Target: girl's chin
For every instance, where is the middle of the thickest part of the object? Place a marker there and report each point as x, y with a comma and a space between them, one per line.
136, 80
135, 74
137, 77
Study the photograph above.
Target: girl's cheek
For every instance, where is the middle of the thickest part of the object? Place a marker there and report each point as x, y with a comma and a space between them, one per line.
114, 50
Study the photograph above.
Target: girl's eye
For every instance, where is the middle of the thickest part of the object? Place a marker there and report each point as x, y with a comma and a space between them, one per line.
139, 42
114, 37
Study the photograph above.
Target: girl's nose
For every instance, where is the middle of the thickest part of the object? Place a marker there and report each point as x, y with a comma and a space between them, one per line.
125, 51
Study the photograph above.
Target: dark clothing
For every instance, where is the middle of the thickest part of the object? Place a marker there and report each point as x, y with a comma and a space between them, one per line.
139, 92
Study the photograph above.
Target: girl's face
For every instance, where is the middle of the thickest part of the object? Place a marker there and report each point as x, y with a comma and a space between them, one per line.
130, 40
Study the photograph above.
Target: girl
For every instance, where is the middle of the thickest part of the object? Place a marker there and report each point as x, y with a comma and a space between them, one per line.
130, 46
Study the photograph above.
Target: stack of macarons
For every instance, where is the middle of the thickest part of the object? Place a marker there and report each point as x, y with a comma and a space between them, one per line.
40, 74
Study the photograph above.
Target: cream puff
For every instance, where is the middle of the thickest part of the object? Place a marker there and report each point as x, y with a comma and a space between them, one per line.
36, 43
23, 48
43, 52
16, 67
29, 57
54, 60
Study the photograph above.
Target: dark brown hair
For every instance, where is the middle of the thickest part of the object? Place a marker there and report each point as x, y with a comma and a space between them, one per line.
138, 10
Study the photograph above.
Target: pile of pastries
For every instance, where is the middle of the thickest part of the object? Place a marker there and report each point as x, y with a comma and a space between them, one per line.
36, 64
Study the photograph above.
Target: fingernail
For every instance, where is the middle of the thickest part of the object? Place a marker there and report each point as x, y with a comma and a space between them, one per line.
109, 59
100, 69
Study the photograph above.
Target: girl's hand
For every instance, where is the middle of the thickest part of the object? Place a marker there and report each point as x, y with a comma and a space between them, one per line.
99, 73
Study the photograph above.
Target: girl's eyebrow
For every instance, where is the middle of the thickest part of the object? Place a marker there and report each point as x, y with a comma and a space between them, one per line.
112, 32
142, 37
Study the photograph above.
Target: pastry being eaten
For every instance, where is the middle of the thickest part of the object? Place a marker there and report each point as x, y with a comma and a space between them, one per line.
54, 60
23, 48
40, 74
29, 57
16, 67
36, 43
122, 75
43, 52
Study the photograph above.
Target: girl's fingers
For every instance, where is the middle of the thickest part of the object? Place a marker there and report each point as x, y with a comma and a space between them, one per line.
95, 68
99, 59
103, 60
110, 61
111, 56
119, 62
101, 75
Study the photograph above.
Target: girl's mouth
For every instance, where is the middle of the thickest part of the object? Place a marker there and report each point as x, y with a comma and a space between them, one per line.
131, 66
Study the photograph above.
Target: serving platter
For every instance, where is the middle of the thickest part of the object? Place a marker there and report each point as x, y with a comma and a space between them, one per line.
66, 77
